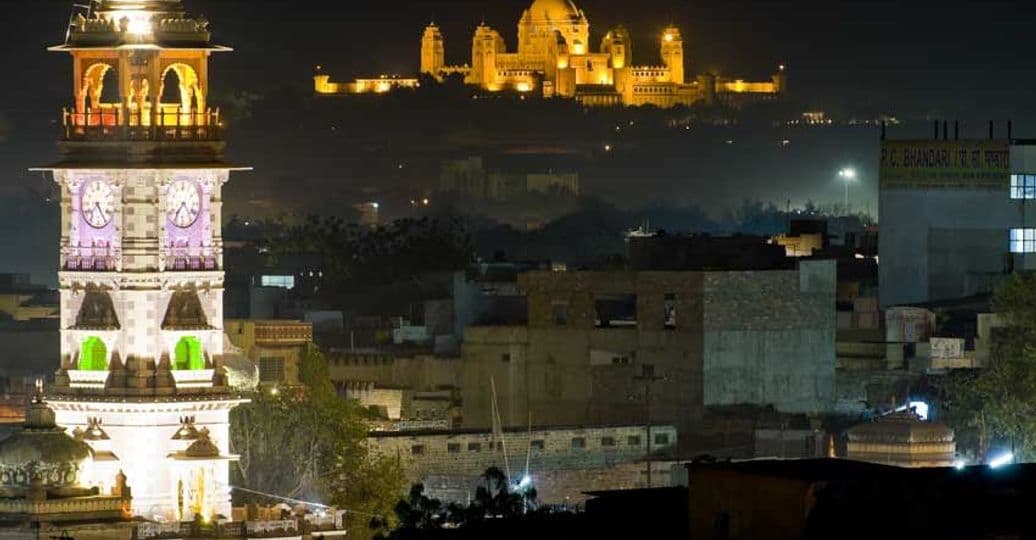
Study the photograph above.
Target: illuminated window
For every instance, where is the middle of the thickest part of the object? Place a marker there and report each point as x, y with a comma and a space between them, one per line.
537, 444
474, 447
662, 439
453, 448
578, 442
93, 355
1023, 186
417, 449
188, 355
607, 441
284, 282
1023, 240
633, 440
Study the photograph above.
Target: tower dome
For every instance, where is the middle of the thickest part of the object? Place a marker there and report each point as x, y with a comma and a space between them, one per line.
41, 450
554, 11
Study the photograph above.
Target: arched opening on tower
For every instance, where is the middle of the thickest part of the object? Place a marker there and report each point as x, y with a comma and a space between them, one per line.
99, 95
188, 355
180, 97
93, 355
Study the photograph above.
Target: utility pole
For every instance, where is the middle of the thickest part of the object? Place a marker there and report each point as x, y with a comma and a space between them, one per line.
647, 374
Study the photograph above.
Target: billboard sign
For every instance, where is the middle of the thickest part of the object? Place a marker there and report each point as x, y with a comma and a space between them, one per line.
938, 163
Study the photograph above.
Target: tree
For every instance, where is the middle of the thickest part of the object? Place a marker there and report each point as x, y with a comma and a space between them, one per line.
309, 444
999, 402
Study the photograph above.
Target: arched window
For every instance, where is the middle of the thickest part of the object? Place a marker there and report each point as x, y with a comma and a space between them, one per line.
181, 92
189, 355
93, 355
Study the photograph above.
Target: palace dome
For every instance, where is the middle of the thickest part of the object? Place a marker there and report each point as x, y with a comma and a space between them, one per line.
554, 11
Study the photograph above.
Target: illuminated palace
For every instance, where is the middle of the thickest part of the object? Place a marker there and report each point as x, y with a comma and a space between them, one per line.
554, 58
141, 277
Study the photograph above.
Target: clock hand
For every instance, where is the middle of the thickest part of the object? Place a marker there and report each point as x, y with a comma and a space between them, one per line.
101, 212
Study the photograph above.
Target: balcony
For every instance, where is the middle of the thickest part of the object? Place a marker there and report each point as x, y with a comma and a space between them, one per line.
121, 124
90, 259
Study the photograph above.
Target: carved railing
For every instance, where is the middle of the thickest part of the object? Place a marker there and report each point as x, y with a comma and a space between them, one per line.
118, 123
90, 259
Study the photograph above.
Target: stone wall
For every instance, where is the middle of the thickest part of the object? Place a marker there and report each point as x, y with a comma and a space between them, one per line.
419, 372
563, 462
770, 338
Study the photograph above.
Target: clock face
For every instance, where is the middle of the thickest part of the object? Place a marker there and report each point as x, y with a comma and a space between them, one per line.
98, 203
183, 203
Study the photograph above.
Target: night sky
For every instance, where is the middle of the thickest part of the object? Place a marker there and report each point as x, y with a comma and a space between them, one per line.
915, 60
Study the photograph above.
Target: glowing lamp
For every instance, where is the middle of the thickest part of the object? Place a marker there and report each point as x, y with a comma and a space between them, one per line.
669, 37
524, 87
959, 464
920, 408
1001, 460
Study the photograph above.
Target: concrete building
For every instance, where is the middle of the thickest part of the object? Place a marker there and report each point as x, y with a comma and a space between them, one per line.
510, 175
956, 216
276, 347
620, 347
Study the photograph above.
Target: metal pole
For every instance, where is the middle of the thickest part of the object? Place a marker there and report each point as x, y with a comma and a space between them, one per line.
648, 396
846, 181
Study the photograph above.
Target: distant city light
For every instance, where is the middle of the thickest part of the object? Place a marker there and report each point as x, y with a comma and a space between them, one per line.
607, 148
847, 173
1001, 460
959, 464
525, 482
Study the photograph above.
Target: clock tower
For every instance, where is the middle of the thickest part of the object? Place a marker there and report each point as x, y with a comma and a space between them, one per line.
141, 175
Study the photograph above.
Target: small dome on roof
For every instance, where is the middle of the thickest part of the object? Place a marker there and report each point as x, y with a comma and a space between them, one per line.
203, 447
43, 451
901, 428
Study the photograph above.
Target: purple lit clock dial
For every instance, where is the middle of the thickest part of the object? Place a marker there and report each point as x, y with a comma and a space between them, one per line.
183, 203
98, 204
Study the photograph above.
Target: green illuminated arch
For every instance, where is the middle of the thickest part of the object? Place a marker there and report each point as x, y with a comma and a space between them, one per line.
93, 355
188, 355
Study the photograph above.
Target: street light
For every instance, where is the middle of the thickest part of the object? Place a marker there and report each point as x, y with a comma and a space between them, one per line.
848, 175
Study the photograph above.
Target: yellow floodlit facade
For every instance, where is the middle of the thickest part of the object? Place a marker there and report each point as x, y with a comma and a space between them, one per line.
555, 58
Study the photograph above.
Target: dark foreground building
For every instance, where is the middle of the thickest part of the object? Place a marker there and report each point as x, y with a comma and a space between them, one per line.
836, 498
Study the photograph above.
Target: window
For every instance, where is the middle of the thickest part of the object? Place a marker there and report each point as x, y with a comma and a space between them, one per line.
616, 311
633, 440
417, 449
537, 444
93, 355
271, 370
506, 357
474, 447
1023, 240
283, 282
669, 311
453, 448
578, 442
661, 439
607, 441
188, 355
1023, 186
560, 314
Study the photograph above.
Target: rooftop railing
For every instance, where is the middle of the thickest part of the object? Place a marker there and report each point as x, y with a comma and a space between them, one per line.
122, 124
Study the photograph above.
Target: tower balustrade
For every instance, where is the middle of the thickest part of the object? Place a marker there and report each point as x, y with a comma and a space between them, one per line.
123, 124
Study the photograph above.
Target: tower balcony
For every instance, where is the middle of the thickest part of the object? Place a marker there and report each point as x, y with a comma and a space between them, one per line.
180, 259
90, 259
121, 124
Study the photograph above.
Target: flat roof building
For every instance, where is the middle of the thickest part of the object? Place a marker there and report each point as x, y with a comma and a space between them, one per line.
956, 216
